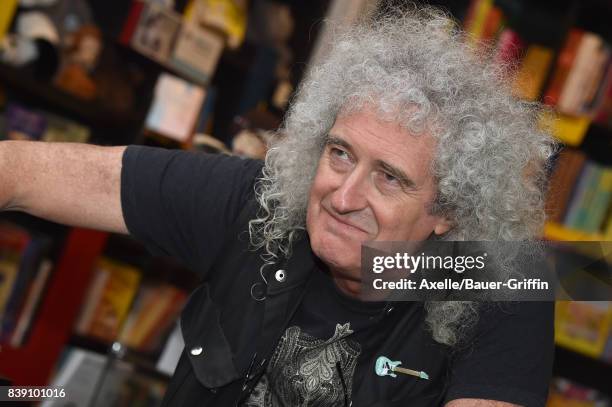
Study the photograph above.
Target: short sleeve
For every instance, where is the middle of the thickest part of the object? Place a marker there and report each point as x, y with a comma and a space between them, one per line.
183, 204
510, 357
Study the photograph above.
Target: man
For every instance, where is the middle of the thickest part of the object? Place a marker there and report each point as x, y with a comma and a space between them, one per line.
402, 134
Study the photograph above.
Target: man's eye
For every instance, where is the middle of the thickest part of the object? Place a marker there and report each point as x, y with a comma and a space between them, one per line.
389, 177
339, 153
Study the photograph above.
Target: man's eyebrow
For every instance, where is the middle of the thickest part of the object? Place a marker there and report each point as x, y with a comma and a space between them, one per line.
337, 141
392, 170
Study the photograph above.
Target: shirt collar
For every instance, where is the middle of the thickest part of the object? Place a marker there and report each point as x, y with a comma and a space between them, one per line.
296, 269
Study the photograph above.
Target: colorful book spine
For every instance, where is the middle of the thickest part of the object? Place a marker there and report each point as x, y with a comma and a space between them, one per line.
477, 22
588, 177
596, 212
131, 22
29, 263
115, 301
532, 72
509, 48
583, 326
596, 82
587, 200
573, 92
603, 111
7, 12
13, 242
567, 169
155, 310
564, 65
493, 24
31, 305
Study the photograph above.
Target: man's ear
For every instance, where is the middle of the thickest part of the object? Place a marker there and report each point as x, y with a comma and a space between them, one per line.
443, 225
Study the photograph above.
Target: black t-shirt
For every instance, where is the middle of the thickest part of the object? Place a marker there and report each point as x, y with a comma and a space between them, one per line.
182, 204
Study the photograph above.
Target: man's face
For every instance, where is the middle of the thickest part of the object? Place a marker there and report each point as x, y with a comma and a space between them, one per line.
373, 183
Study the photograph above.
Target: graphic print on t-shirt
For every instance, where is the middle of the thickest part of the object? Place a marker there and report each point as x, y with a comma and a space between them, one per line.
303, 370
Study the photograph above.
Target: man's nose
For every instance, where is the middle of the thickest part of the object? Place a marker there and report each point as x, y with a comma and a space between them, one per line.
351, 195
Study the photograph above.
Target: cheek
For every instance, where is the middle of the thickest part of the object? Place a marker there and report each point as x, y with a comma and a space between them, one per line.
407, 221
323, 184
316, 194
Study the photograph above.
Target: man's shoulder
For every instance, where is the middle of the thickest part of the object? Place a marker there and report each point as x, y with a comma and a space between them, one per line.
508, 356
507, 321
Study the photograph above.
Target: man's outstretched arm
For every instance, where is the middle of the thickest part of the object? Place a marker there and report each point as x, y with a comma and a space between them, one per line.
70, 183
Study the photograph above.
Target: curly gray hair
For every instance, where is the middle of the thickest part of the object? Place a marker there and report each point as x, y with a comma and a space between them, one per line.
417, 68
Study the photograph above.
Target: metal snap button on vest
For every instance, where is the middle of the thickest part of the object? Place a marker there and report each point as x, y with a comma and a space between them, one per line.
280, 276
196, 351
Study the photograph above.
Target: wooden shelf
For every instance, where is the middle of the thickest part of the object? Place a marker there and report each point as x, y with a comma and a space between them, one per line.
556, 231
90, 113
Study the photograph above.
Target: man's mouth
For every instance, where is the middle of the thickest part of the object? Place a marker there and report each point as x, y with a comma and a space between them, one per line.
344, 222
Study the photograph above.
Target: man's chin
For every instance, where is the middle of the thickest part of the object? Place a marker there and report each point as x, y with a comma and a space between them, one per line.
342, 268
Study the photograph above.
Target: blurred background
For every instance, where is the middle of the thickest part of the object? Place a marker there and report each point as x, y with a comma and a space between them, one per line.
96, 314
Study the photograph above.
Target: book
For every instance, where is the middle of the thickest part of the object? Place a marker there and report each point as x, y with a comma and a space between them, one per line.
166, 319
582, 195
154, 311
168, 360
567, 169
32, 302
8, 274
93, 297
565, 60
92, 379
24, 124
111, 296
603, 107
131, 22
30, 259
493, 24
228, 16
60, 129
565, 393
532, 72
7, 12
78, 374
477, 17
583, 326
596, 83
175, 107
468, 20
580, 75
13, 241
570, 130
156, 32
595, 213
509, 48
197, 52
145, 297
